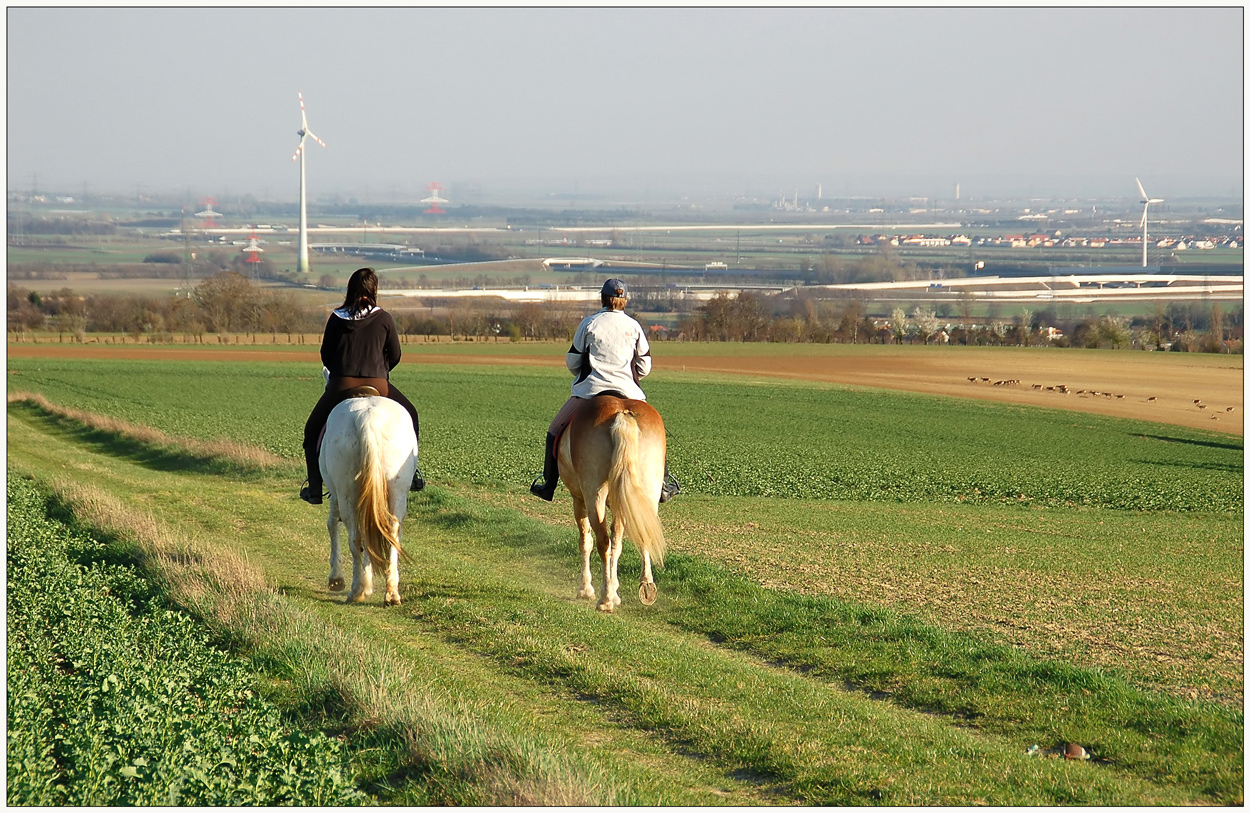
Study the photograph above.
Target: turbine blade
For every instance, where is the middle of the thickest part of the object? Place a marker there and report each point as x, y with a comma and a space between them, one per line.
1143, 215
314, 137
298, 149
1140, 188
304, 119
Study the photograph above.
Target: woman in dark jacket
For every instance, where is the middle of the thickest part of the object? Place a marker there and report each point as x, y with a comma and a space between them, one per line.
360, 348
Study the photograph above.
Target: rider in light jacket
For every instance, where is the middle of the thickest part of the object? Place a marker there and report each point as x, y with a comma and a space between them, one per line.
609, 354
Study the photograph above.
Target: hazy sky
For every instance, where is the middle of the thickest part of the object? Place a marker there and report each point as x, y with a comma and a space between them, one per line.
904, 101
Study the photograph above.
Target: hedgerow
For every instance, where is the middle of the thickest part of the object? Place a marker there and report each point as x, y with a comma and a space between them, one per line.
115, 699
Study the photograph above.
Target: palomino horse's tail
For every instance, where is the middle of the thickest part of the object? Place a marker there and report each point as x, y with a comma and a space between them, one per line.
627, 492
374, 520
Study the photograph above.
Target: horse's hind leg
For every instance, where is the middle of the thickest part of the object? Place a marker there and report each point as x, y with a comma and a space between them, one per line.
362, 570
336, 532
611, 560
392, 572
586, 540
605, 543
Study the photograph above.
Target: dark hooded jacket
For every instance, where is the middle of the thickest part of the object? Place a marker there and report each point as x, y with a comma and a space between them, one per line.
363, 347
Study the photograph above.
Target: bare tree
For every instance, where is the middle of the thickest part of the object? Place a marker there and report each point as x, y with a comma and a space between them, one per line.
1024, 327
226, 300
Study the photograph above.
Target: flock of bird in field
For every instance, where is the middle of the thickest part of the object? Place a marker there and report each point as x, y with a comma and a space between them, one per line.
1065, 390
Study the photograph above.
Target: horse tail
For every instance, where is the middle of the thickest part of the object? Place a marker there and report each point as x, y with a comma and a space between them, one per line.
627, 491
375, 523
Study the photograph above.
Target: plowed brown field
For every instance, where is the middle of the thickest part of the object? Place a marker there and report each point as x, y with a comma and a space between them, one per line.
1198, 391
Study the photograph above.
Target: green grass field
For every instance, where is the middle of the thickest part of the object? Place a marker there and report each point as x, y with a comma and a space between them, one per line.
871, 597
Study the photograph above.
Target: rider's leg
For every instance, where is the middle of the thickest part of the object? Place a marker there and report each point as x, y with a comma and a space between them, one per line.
551, 469
312, 429
551, 472
418, 482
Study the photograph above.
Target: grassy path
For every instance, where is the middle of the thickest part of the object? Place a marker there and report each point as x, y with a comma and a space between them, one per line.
503, 689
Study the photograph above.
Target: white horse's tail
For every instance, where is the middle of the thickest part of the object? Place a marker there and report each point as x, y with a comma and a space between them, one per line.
627, 491
375, 523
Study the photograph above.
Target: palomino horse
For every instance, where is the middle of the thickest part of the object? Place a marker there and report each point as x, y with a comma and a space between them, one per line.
612, 456
367, 460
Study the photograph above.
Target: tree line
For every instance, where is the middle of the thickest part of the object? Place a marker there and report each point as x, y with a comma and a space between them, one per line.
231, 302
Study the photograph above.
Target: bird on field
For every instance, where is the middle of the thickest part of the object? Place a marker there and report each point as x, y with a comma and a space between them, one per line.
1202, 406
1228, 409
983, 378
1197, 400
1215, 417
1119, 396
972, 378
1151, 398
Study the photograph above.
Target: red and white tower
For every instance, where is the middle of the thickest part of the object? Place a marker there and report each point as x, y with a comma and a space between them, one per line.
434, 188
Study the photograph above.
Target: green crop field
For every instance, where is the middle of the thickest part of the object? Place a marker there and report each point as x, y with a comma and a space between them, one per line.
871, 597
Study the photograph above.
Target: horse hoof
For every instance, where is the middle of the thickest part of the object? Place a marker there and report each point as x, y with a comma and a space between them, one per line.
354, 599
392, 600
647, 592
336, 585
606, 607
587, 593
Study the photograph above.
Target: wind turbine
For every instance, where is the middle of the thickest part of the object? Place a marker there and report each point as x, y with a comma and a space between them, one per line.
303, 263
1146, 201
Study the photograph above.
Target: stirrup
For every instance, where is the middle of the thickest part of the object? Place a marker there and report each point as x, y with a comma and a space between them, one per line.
670, 488
309, 496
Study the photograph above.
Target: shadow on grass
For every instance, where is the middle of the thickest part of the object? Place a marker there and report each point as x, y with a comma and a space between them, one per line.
154, 456
1226, 468
1210, 444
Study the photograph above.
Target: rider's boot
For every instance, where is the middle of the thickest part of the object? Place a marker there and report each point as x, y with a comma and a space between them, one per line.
671, 486
418, 480
551, 472
311, 492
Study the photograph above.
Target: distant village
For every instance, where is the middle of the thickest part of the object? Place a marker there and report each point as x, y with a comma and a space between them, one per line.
1043, 240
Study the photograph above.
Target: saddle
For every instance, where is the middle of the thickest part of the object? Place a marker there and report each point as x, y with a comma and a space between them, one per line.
363, 391
609, 393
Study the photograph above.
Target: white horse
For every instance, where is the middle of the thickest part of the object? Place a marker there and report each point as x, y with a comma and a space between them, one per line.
367, 460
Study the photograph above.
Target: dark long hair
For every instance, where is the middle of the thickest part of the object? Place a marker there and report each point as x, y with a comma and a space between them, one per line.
362, 291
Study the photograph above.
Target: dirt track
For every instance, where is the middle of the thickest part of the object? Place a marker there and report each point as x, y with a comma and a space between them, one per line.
1126, 381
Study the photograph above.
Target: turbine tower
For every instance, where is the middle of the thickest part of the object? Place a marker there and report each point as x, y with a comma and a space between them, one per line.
304, 132
1146, 201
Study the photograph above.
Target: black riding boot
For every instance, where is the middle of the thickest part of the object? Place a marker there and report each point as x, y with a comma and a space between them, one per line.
311, 493
551, 472
671, 486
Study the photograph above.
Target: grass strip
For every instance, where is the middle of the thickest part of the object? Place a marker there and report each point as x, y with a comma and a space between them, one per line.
991, 687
